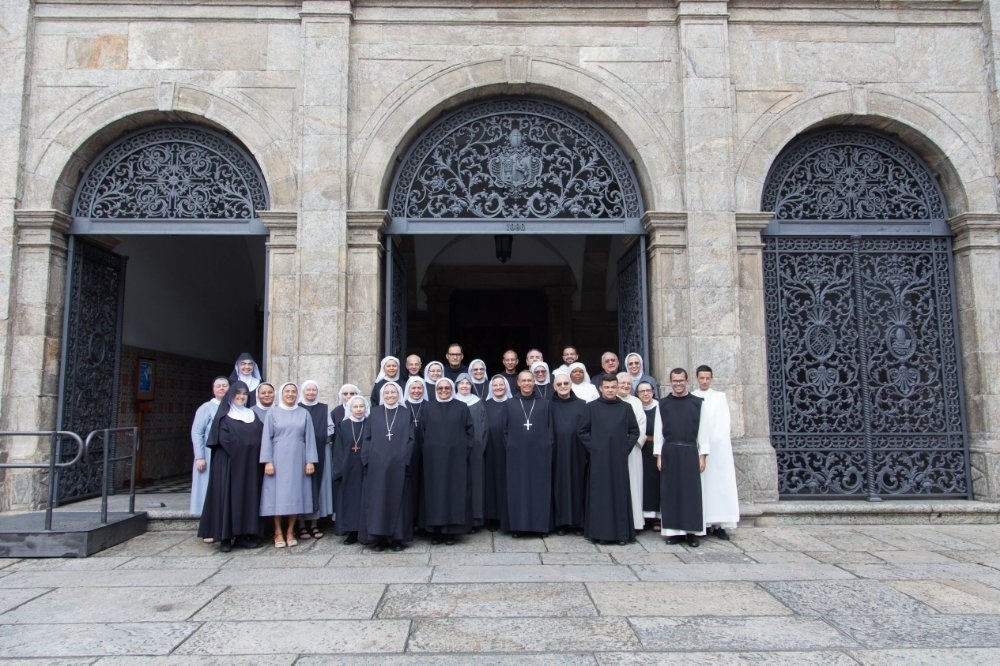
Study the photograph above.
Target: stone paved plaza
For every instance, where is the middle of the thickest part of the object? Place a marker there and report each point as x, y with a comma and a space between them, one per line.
868, 594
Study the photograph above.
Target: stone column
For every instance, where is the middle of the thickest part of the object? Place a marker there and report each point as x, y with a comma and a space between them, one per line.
669, 309
976, 250
756, 462
365, 315
31, 383
322, 229
709, 187
281, 330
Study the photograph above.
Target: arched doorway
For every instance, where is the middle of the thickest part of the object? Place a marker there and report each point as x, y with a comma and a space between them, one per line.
864, 373
179, 204
530, 214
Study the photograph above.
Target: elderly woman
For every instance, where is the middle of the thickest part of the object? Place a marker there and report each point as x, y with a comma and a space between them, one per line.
636, 373
433, 371
231, 514
569, 460
448, 437
348, 470
582, 386
543, 384
386, 500
388, 371
415, 401
477, 375
495, 456
288, 451
200, 428
321, 480
464, 392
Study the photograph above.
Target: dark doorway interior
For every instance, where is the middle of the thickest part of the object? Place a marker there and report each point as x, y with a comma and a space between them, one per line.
488, 322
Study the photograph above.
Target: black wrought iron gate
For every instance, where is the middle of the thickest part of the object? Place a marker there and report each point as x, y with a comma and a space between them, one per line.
864, 370
633, 318
91, 358
395, 300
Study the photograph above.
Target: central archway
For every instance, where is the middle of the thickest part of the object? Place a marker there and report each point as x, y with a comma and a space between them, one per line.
532, 172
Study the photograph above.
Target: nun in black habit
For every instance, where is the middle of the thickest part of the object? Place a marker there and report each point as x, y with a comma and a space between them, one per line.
569, 472
609, 431
415, 394
321, 478
247, 371
388, 371
386, 500
448, 439
528, 441
495, 456
348, 469
231, 511
464, 392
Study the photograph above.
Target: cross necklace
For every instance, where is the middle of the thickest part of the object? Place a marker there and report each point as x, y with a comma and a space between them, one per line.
357, 436
527, 414
417, 406
388, 424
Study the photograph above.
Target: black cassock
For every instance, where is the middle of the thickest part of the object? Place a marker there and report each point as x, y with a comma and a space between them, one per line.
386, 499
680, 477
416, 415
476, 462
528, 439
448, 439
232, 500
348, 473
569, 472
495, 465
608, 432
650, 474
318, 412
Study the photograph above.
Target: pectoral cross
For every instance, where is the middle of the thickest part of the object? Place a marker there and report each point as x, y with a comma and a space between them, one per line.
390, 436
527, 425
355, 448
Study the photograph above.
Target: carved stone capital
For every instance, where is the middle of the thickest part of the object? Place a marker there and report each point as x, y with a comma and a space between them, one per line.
667, 231
748, 228
282, 226
975, 231
365, 228
42, 229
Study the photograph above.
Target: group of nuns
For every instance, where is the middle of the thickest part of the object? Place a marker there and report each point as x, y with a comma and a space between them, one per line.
424, 453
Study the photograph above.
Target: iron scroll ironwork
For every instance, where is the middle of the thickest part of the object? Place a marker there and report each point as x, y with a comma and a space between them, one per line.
864, 376
633, 327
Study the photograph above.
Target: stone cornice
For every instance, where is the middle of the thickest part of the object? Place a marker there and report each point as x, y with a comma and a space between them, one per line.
365, 228
42, 228
748, 228
282, 227
666, 230
975, 231
702, 9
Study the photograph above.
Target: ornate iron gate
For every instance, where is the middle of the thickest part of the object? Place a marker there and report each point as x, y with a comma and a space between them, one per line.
864, 376
91, 358
395, 300
633, 319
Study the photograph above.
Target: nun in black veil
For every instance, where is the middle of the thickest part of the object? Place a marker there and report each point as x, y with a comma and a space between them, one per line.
231, 513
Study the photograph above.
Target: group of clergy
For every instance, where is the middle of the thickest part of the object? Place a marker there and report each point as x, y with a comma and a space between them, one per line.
446, 450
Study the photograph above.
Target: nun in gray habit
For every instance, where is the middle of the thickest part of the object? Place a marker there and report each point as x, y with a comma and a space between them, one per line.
288, 451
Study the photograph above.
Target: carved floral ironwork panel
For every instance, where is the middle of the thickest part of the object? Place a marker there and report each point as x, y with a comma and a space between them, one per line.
396, 295
864, 374
515, 158
633, 335
92, 358
851, 174
172, 173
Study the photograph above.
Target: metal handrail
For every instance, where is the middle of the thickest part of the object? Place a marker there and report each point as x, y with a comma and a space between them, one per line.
51, 465
106, 432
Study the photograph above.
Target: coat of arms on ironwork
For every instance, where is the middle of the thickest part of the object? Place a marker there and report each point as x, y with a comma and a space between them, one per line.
516, 165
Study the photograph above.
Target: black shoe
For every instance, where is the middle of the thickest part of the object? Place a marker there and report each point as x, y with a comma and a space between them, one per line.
379, 547
352, 538
225, 545
396, 546
561, 532
622, 542
720, 533
436, 541
693, 541
450, 541
516, 535
674, 540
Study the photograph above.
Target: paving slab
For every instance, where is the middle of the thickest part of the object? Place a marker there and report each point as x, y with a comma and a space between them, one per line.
569, 543
521, 635
684, 599
75, 640
842, 557
749, 572
738, 633
831, 597
952, 597
14, 597
370, 558
933, 631
71, 563
72, 605
159, 562
781, 557
151, 543
529, 574
437, 659
276, 560
791, 539
444, 558
919, 571
790, 658
912, 557
193, 660
101, 578
657, 559
540, 600
927, 657
299, 636
293, 602
309, 575
578, 558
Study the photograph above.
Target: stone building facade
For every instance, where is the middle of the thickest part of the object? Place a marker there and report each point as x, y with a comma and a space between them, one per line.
327, 97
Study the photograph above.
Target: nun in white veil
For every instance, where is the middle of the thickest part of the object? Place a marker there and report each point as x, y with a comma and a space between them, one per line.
581, 384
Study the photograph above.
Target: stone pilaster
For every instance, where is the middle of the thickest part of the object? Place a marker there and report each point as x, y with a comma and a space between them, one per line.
365, 316
31, 383
322, 235
669, 306
976, 250
281, 330
756, 463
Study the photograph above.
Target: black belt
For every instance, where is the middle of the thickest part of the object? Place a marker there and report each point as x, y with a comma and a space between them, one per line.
681, 442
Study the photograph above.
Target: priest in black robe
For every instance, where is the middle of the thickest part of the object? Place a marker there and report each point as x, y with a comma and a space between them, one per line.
448, 437
569, 472
529, 445
386, 500
681, 460
609, 431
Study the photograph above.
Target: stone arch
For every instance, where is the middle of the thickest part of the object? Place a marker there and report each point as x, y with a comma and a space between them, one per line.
645, 140
937, 138
73, 143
